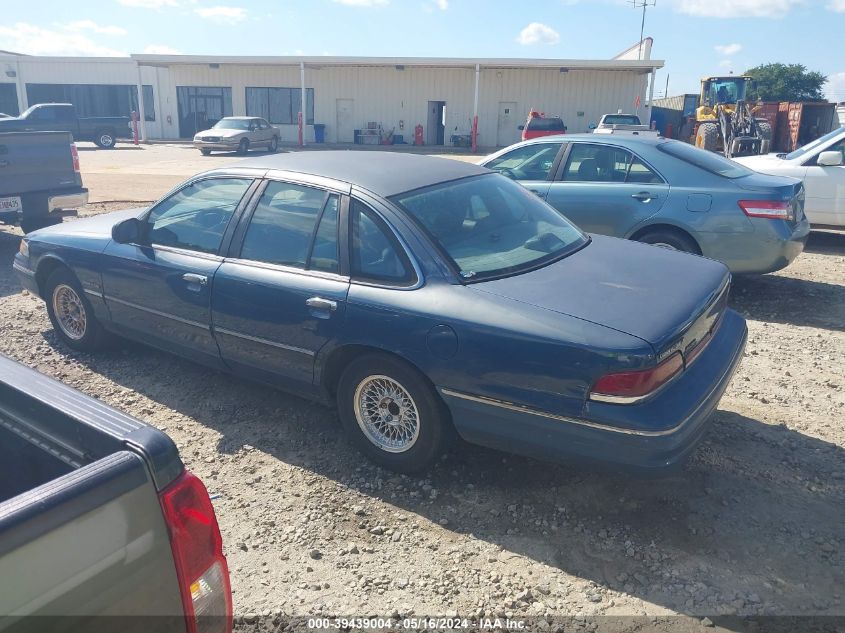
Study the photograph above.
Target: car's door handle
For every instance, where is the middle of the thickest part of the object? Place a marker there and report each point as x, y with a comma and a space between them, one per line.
193, 278
318, 303
536, 192
644, 196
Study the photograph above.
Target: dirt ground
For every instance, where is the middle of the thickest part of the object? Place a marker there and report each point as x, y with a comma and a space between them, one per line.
753, 525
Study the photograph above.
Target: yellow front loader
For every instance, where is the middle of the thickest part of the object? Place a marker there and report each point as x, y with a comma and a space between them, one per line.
725, 121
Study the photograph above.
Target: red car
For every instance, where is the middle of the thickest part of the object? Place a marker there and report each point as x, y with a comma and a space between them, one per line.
538, 124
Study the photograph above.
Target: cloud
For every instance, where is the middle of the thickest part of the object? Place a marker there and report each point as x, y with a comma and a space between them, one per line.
35, 40
90, 25
537, 33
161, 49
737, 8
442, 4
834, 89
149, 4
728, 49
226, 15
837, 5
362, 3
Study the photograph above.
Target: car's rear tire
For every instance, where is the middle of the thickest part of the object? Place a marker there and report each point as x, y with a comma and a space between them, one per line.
673, 240
104, 139
71, 313
707, 136
205, 152
273, 147
392, 414
243, 146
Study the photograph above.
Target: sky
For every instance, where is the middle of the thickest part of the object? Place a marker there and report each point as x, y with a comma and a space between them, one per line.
694, 37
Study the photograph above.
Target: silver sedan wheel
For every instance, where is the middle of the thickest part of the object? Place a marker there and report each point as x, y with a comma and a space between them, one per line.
70, 312
387, 414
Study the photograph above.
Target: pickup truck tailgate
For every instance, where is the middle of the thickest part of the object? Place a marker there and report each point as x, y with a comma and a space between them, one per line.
36, 162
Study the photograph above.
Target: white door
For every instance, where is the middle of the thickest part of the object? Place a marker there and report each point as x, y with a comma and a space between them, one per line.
345, 121
825, 191
507, 132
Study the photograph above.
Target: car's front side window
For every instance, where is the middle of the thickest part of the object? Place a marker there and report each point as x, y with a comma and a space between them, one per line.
281, 227
529, 162
196, 216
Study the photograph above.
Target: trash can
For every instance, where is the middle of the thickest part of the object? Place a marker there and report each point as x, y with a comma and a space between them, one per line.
319, 133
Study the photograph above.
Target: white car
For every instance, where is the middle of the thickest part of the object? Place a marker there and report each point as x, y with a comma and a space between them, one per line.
821, 165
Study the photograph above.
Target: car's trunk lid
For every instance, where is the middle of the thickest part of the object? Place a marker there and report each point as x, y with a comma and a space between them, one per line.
669, 299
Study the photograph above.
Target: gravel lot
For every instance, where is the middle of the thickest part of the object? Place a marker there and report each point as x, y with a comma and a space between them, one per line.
752, 525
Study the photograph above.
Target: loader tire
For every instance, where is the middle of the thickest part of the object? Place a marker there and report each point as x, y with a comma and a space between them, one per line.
707, 136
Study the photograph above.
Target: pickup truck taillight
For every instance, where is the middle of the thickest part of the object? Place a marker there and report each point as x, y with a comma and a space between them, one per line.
198, 554
74, 155
627, 387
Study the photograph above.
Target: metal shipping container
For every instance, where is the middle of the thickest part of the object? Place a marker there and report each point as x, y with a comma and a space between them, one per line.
798, 123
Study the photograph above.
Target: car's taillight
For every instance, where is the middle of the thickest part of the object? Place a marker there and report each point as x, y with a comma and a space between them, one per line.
771, 209
630, 386
198, 554
74, 156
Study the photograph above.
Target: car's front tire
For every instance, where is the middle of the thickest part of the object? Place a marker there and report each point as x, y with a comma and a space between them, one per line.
71, 313
392, 414
273, 147
243, 146
205, 152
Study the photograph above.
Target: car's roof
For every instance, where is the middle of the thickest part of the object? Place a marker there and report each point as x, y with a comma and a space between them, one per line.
612, 139
383, 173
239, 117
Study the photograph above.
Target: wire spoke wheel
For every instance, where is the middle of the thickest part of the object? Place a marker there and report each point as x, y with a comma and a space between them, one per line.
387, 414
70, 312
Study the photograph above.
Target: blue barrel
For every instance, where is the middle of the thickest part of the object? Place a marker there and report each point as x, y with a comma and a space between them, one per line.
319, 133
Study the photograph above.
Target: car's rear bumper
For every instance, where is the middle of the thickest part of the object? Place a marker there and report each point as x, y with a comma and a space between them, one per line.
72, 200
773, 245
652, 435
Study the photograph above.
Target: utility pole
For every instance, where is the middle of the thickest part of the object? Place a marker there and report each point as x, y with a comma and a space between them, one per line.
642, 4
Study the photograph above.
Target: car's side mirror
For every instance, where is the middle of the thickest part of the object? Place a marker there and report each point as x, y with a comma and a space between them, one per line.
592, 126
829, 159
520, 127
128, 231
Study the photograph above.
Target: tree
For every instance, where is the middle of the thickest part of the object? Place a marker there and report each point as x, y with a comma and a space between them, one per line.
786, 82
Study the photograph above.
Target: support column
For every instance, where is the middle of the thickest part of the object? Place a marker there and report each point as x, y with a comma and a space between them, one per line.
474, 133
651, 93
142, 119
302, 112
20, 86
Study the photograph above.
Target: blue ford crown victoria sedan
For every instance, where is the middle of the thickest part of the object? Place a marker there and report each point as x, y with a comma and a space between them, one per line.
422, 296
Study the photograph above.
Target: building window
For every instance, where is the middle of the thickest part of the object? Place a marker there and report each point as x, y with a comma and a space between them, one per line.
9, 99
280, 105
94, 99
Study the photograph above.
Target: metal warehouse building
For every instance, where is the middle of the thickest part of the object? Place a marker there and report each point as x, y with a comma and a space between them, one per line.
351, 97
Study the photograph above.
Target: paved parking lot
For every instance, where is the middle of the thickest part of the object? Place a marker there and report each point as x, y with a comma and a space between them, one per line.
752, 525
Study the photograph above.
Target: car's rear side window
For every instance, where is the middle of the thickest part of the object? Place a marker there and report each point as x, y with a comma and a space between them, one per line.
375, 253
708, 161
282, 226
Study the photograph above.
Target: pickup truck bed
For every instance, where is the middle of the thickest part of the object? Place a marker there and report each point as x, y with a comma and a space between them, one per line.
90, 523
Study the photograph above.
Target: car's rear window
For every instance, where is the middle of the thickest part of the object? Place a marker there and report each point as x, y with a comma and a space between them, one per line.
545, 124
621, 119
708, 161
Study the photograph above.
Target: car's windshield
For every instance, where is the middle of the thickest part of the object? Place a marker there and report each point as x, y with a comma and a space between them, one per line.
798, 153
232, 124
621, 119
708, 161
490, 226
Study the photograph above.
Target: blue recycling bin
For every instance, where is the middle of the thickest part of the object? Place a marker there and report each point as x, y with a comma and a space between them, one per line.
319, 133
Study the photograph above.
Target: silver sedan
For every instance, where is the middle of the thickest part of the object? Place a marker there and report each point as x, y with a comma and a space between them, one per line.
237, 134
